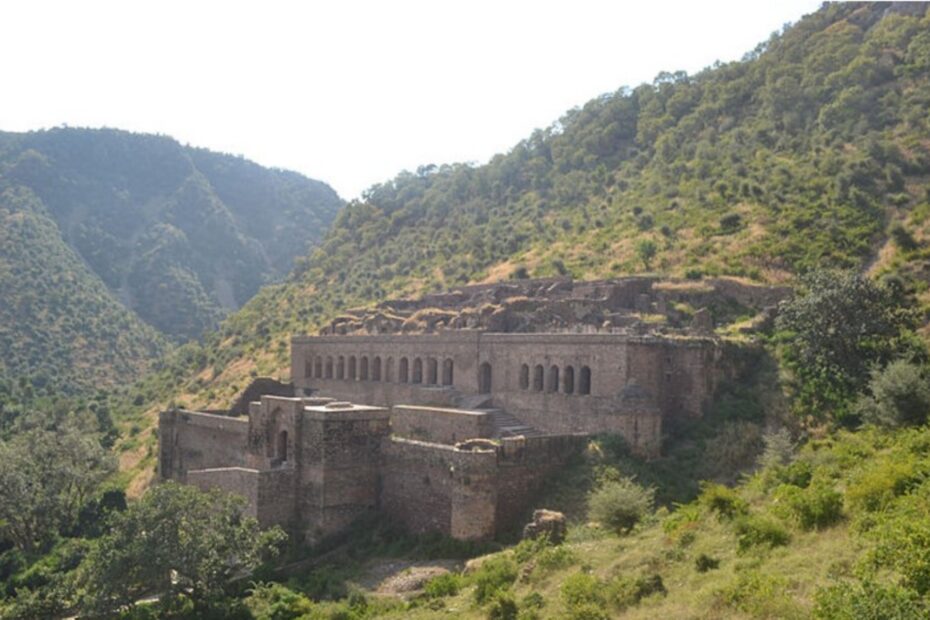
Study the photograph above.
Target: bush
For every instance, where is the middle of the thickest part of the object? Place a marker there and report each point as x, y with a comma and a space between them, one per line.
884, 480
723, 501
868, 601
621, 504
730, 222
495, 574
448, 584
704, 563
900, 396
273, 601
818, 506
797, 474
503, 606
754, 531
582, 588
627, 591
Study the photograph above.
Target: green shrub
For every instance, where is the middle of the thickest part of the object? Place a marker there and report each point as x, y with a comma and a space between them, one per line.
900, 396
273, 601
797, 474
495, 574
722, 500
885, 479
754, 531
704, 563
627, 591
582, 588
503, 606
448, 584
587, 611
621, 504
868, 601
816, 507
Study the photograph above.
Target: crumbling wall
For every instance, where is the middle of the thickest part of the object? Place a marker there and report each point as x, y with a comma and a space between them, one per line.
431, 487
268, 494
189, 440
440, 425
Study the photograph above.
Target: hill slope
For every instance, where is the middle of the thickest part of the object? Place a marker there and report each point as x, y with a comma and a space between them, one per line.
180, 235
107, 230
808, 152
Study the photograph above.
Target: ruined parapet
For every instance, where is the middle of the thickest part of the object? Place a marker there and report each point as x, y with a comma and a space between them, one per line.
440, 424
190, 440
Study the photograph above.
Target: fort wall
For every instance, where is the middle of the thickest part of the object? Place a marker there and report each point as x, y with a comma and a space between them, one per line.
440, 425
190, 440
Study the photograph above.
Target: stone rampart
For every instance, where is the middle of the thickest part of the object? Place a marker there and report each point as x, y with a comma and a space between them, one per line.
440, 425
190, 440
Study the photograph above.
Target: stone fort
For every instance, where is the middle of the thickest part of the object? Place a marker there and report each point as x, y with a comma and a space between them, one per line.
448, 413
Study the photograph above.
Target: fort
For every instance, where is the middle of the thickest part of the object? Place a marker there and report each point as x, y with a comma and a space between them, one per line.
449, 413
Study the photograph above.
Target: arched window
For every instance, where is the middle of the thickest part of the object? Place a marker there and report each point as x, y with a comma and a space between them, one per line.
282, 446
341, 368
418, 370
584, 380
484, 378
432, 371
352, 368
363, 369
403, 372
389, 370
318, 368
329, 367
447, 372
308, 368
568, 380
538, 373
524, 377
376, 369
552, 385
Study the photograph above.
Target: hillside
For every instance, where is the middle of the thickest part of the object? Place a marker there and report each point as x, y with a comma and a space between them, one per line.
813, 150
144, 233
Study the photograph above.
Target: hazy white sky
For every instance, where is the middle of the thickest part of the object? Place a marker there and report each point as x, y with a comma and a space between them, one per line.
351, 92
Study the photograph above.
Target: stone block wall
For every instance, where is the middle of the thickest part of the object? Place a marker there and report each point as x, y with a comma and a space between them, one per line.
189, 440
440, 425
269, 494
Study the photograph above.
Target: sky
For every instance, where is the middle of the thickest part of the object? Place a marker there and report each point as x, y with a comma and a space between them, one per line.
352, 92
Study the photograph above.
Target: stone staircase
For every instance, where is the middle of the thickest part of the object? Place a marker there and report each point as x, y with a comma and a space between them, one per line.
505, 425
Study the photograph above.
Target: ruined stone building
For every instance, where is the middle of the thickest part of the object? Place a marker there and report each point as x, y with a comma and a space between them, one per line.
448, 413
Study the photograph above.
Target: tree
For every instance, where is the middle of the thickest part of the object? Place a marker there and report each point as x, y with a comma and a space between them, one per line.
46, 477
835, 331
621, 504
900, 396
646, 250
201, 538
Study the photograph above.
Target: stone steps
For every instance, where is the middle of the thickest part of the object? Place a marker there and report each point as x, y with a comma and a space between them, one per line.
506, 425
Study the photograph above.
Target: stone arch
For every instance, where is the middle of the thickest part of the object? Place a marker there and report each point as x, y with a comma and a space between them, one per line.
341, 368
418, 370
447, 371
403, 371
363, 369
552, 382
484, 378
318, 368
584, 381
376, 369
329, 367
281, 452
568, 380
353, 368
432, 371
389, 370
538, 374
525, 377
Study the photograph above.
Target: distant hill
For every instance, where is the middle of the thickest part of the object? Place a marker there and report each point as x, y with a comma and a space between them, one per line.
106, 230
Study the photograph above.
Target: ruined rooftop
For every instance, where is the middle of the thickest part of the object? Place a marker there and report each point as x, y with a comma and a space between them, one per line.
638, 305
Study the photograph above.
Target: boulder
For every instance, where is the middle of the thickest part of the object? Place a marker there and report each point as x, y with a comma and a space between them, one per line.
546, 522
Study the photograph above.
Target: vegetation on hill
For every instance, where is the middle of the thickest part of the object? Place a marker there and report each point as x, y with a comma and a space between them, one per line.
96, 222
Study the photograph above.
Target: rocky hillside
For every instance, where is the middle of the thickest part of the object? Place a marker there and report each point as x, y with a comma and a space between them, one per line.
108, 231
814, 150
